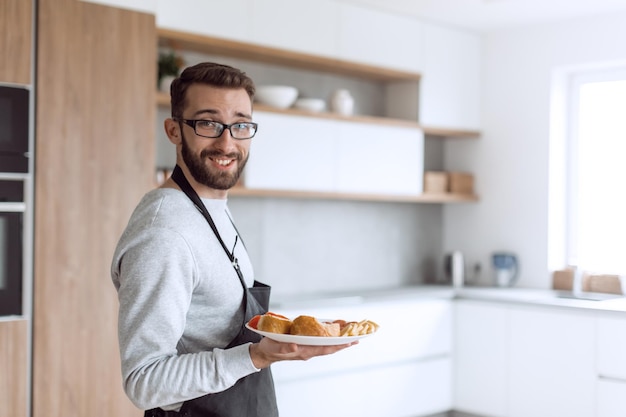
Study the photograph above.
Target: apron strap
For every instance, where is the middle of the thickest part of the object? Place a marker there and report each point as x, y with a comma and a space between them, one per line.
179, 178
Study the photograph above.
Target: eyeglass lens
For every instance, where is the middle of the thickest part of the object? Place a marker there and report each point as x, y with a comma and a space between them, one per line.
215, 129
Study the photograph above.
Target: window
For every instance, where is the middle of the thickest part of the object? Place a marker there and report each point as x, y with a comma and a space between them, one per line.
592, 175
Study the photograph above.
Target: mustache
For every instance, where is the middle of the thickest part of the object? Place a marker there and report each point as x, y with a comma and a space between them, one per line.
212, 153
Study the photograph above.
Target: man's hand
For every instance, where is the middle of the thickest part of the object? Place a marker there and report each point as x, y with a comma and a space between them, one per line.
268, 351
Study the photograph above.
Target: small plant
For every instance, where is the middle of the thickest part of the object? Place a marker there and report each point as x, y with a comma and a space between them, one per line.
169, 64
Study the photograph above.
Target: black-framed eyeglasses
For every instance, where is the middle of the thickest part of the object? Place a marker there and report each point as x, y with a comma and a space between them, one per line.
211, 129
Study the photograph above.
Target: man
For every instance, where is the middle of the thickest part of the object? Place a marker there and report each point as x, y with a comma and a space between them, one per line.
183, 276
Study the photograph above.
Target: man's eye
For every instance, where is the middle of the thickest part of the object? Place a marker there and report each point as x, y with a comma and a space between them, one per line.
241, 126
206, 124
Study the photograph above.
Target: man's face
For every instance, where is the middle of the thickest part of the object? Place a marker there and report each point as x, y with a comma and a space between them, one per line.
215, 162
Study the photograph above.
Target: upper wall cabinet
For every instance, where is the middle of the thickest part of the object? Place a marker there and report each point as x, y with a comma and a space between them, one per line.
450, 85
323, 27
16, 17
225, 19
449, 60
372, 37
335, 156
302, 26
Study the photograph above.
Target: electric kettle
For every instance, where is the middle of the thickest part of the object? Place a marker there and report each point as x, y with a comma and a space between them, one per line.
505, 268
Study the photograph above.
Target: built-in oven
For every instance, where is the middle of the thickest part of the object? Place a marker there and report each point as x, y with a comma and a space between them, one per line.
12, 248
14, 128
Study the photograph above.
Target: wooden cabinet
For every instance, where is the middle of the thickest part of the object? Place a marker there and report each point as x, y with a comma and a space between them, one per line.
14, 366
395, 372
95, 159
481, 358
16, 27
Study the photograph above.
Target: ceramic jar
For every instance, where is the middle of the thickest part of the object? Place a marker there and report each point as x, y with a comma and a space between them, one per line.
342, 102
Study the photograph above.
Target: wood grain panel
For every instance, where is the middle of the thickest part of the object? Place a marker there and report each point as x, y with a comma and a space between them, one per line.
254, 52
95, 159
13, 368
16, 27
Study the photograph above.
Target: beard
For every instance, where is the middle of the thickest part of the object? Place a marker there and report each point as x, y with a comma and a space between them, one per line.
202, 173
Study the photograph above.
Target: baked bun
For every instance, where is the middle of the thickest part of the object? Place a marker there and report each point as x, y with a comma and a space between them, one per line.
310, 326
274, 323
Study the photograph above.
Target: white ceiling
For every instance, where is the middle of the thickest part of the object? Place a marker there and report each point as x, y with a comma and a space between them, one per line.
490, 15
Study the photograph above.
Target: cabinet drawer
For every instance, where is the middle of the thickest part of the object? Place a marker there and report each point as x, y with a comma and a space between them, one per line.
397, 340
407, 389
611, 399
611, 345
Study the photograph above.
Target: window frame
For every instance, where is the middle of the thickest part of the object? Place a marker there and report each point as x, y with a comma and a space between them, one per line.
564, 152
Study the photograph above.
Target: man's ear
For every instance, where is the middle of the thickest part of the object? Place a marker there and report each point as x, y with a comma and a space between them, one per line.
172, 130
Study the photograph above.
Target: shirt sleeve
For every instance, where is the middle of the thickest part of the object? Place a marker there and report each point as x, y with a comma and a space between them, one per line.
155, 275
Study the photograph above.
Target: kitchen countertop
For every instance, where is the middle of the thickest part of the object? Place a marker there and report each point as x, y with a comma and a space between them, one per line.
524, 296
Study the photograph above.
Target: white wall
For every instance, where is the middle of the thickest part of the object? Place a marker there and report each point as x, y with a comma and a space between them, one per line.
510, 161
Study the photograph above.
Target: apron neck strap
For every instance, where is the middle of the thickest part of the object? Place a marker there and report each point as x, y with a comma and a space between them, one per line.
179, 178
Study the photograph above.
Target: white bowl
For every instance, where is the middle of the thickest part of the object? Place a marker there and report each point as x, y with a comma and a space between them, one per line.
310, 104
281, 96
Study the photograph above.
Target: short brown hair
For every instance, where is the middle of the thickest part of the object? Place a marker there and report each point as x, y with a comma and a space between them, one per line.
217, 75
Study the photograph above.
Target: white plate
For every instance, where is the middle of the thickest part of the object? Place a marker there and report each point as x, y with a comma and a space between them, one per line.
309, 340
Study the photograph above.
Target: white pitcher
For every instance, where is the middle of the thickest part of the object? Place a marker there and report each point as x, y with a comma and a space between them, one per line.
342, 102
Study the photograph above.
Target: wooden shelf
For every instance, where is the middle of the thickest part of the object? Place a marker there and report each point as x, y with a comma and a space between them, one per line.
183, 41
423, 198
163, 100
442, 133
252, 52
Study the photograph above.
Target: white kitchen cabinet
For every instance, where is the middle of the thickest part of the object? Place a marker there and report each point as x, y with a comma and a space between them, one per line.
310, 154
291, 153
611, 366
451, 75
407, 389
311, 26
551, 363
611, 400
223, 19
404, 369
611, 347
379, 159
481, 358
372, 37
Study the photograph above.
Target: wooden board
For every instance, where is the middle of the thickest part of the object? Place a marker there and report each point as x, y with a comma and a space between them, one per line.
16, 27
14, 368
94, 160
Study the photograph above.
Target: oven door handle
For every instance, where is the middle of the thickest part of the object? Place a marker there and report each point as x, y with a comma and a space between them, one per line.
13, 207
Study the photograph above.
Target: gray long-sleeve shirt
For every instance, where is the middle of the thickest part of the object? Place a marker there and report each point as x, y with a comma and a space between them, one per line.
180, 301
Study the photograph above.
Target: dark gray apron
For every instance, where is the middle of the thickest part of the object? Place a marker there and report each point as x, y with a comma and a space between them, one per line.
253, 395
